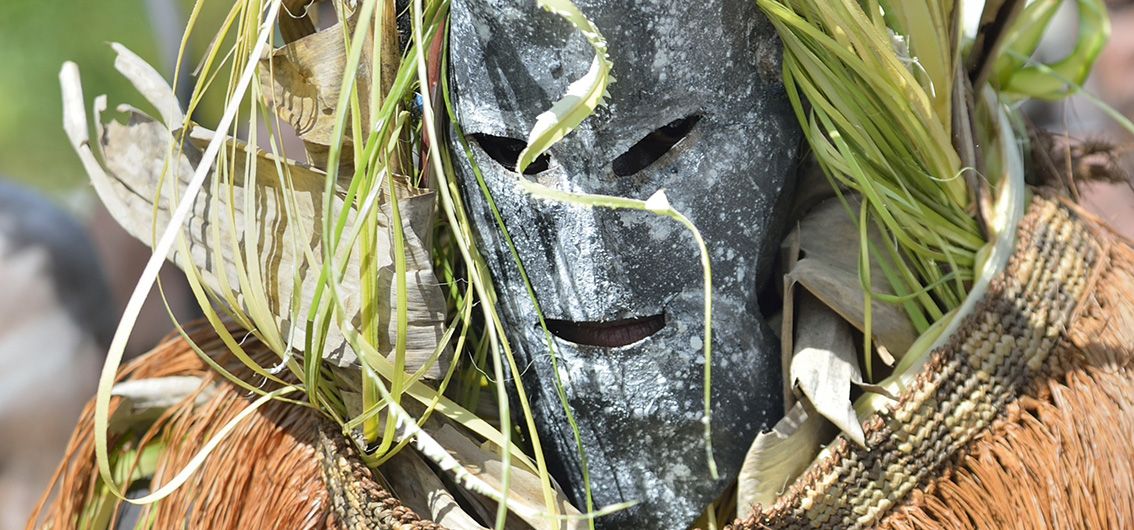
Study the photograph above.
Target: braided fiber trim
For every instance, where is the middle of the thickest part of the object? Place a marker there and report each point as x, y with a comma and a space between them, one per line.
966, 385
1063, 454
359, 502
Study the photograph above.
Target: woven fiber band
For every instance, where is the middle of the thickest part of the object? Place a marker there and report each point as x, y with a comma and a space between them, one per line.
1015, 341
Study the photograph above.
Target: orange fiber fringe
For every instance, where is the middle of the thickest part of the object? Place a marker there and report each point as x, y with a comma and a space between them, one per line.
265, 474
1063, 456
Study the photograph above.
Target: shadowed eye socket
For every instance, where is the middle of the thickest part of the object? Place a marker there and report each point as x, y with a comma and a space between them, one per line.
653, 146
506, 151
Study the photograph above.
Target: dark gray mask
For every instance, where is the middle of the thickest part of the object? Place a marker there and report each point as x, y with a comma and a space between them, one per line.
699, 110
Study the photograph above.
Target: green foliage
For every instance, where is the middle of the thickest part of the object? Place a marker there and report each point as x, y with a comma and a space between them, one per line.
35, 38
873, 88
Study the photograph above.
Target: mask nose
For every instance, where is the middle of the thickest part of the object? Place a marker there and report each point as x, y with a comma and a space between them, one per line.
611, 265
592, 282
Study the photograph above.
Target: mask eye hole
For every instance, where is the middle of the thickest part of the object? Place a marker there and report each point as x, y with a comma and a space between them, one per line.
653, 146
506, 151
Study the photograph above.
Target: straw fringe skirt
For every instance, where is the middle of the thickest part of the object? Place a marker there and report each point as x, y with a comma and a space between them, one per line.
285, 466
1024, 419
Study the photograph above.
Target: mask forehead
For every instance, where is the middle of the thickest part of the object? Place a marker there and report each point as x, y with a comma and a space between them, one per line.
513, 60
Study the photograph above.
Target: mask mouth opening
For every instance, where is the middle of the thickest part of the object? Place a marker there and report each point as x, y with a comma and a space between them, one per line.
607, 334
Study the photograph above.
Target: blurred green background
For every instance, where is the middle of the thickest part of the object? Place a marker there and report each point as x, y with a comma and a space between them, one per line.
37, 36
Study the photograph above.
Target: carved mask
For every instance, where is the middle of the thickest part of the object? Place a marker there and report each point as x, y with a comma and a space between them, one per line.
698, 109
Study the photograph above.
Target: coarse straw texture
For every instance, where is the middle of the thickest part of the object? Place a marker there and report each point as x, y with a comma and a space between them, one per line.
234, 472
286, 467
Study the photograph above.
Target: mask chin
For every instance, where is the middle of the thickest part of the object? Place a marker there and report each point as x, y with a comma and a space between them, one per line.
639, 409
